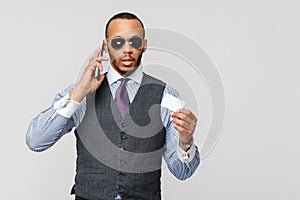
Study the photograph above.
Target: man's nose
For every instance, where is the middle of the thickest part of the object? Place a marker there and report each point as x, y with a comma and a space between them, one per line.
127, 47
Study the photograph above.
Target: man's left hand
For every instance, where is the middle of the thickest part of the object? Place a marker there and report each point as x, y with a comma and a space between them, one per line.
185, 123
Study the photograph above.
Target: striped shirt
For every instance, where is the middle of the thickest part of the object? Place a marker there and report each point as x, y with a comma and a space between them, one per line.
63, 115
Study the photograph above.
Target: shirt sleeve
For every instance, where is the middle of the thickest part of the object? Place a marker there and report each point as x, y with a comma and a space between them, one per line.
181, 164
51, 124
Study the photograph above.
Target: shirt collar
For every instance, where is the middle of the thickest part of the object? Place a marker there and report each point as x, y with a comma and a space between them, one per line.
113, 76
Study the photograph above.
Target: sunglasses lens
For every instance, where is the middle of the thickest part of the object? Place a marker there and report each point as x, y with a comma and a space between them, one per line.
117, 43
136, 42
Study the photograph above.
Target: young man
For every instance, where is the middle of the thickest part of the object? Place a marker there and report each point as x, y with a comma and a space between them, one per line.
121, 133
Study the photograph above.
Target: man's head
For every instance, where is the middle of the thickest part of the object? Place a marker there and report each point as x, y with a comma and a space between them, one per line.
125, 42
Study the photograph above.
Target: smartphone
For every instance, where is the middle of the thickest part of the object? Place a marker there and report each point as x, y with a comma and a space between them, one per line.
97, 71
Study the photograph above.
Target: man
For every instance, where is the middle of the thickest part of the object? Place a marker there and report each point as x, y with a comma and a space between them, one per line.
119, 147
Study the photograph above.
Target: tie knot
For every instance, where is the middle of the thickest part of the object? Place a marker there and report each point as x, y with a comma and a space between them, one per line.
123, 81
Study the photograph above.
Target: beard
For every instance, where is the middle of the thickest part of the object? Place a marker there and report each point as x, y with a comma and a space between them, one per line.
125, 73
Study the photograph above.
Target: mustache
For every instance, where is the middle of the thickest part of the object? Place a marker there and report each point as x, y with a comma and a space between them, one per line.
123, 58
127, 57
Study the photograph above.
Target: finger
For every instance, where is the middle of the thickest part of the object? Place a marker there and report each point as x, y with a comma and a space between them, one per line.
98, 82
101, 58
90, 69
92, 65
97, 64
189, 128
181, 130
181, 123
183, 117
102, 76
96, 54
188, 112
95, 83
98, 59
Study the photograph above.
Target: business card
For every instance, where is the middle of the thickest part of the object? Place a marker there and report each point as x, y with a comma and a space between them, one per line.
172, 103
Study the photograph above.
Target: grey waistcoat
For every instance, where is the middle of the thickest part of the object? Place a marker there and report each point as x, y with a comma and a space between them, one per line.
118, 155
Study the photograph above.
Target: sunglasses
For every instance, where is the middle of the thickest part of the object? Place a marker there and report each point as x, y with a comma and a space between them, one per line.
135, 42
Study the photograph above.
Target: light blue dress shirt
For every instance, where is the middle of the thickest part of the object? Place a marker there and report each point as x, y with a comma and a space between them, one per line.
49, 126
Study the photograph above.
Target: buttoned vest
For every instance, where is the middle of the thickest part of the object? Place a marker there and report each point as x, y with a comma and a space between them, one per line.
121, 155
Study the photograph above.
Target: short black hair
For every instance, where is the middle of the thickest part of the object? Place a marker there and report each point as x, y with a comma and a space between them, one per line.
124, 15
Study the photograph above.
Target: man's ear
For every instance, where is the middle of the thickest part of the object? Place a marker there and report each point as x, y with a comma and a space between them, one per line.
144, 45
105, 46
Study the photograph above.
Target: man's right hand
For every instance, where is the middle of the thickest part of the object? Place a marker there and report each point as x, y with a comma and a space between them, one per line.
88, 83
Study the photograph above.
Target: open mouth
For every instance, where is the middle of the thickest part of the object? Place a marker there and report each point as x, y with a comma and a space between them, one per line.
127, 61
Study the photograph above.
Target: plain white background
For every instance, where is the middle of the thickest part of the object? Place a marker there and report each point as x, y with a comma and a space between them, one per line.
254, 44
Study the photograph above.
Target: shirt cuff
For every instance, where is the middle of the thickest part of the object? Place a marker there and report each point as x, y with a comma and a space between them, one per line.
66, 107
186, 156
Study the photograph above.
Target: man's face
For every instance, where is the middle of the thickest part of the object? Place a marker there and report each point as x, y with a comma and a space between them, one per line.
125, 44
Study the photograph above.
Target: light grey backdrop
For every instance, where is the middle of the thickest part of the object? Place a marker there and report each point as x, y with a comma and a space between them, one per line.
254, 44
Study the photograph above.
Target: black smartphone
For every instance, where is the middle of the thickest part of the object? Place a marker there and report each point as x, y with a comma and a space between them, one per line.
97, 71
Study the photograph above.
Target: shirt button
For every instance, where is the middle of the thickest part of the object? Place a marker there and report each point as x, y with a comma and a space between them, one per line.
186, 156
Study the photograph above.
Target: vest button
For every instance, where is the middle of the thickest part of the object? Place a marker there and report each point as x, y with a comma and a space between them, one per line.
123, 149
118, 197
123, 125
119, 173
121, 162
122, 137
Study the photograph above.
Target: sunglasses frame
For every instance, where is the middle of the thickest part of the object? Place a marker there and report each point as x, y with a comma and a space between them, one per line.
127, 40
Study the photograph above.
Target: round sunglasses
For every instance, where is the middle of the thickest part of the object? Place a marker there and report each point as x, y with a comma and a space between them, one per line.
135, 42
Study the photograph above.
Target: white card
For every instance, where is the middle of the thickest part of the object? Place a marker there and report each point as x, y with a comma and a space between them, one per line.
172, 102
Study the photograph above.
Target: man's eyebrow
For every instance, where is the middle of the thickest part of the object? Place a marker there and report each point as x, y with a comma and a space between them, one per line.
119, 36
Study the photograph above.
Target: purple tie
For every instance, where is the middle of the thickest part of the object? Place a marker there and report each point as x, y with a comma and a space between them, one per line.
122, 99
